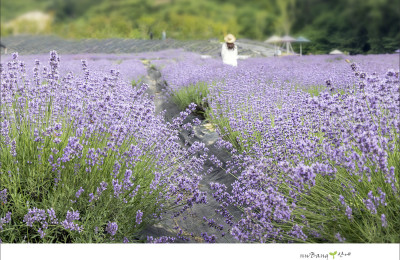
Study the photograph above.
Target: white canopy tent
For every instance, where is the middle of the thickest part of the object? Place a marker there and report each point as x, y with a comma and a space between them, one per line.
287, 40
336, 52
274, 40
301, 40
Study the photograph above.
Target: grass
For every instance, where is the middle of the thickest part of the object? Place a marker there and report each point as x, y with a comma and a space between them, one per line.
326, 215
196, 93
315, 90
137, 82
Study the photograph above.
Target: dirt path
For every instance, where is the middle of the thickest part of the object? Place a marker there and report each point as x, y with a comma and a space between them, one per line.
192, 225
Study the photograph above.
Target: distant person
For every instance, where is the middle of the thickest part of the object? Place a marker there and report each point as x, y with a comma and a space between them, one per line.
163, 35
3, 46
151, 35
229, 52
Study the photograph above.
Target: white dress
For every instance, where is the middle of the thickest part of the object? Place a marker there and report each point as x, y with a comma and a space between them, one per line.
229, 56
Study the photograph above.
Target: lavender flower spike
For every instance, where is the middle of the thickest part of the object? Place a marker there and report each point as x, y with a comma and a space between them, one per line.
112, 228
139, 215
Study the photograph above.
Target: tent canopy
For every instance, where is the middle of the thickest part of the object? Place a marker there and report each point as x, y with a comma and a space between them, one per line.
336, 51
302, 39
288, 38
273, 39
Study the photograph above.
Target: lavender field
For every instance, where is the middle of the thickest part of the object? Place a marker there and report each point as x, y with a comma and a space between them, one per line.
172, 146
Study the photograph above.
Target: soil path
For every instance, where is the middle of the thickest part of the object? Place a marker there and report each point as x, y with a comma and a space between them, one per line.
192, 224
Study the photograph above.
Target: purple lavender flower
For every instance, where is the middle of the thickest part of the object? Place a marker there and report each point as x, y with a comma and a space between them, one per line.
341, 199
382, 197
91, 197
102, 188
41, 232
112, 228
209, 238
160, 240
69, 224
117, 188
5, 220
127, 183
340, 238
196, 121
3, 196
139, 215
383, 219
34, 215
79, 192
52, 216
369, 204
297, 232
349, 212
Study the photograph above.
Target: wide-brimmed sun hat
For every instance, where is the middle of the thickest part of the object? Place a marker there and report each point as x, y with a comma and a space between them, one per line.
230, 38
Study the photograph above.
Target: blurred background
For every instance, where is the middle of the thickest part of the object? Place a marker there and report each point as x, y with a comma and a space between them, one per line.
354, 26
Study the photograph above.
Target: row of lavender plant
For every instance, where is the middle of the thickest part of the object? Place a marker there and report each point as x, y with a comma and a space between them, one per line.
191, 78
130, 67
304, 71
84, 158
316, 169
321, 167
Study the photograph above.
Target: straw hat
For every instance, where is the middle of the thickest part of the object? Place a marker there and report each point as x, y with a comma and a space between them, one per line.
230, 38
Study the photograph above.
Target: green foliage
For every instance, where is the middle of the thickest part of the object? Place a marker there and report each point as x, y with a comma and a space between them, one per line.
101, 26
137, 82
225, 128
192, 94
11, 9
355, 26
315, 90
325, 212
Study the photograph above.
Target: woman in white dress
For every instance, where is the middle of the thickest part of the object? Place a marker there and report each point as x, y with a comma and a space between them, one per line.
229, 51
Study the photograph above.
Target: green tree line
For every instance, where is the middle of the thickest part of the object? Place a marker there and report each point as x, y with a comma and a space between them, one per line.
355, 26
